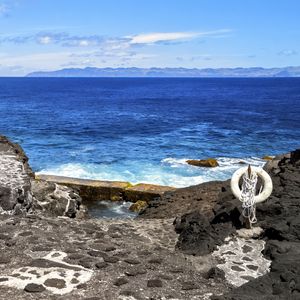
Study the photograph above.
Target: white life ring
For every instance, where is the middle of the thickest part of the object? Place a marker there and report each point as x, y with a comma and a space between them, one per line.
267, 183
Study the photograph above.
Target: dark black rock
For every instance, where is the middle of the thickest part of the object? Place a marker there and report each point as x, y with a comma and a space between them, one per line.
154, 283
101, 265
111, 259
120, 281
55, 282
279, 216
34, 288
132, 261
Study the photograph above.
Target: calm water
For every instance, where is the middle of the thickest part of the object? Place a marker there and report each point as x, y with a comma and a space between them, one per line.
142, 130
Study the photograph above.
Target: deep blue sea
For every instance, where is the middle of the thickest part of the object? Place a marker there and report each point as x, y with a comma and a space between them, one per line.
143, 129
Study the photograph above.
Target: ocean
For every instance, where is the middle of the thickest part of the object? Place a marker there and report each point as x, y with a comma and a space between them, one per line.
144, 129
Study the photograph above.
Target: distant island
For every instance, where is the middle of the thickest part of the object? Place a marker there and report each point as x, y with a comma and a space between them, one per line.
170, 72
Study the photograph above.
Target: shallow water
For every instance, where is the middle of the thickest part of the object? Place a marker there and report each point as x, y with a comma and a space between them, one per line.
110, 209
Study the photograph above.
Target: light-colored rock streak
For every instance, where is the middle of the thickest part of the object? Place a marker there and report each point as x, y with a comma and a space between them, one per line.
72, 275
242, 260
12, 171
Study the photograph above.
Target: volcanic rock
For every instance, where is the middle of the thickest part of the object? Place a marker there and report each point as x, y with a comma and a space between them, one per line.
207, 163
138, 206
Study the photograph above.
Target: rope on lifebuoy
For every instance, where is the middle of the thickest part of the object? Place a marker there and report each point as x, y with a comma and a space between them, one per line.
247, 194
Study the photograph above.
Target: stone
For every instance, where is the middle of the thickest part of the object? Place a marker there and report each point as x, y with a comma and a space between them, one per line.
132, 261
207, 163
189, 285
155, 260
135, 271
55, 282
34, 288
110, 248
152, 283
101, 265
4, 259
120, 281
254, 232
138, 206
111, 259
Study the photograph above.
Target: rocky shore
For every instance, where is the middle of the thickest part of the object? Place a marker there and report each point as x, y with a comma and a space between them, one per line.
187, 244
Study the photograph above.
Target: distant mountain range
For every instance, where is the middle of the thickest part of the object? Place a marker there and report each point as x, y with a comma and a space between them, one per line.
170, 72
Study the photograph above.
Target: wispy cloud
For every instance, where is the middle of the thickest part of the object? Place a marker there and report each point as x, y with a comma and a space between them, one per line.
158, 37
4, 9
287, 52
98, 50
66, 40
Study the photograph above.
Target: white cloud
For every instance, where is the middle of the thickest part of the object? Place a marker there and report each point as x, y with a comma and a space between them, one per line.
83, 43
156, 37
44, 40
3, 9
287, 52
151, 38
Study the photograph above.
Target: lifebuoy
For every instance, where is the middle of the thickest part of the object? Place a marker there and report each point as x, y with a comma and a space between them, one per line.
267, 183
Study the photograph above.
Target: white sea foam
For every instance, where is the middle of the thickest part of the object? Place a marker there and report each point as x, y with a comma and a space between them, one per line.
170, 171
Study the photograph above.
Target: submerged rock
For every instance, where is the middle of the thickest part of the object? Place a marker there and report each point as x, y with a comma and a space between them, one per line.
207, 163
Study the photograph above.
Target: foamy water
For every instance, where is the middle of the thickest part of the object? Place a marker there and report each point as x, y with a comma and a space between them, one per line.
169, 171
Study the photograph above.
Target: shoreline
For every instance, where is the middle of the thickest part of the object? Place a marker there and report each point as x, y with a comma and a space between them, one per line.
185, 245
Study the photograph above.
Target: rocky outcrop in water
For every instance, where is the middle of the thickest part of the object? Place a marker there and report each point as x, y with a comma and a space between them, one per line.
206, 163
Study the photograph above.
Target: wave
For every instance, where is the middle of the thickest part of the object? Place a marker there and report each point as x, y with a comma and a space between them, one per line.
169, 171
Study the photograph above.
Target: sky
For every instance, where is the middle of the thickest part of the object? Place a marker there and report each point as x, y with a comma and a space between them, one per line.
47, 35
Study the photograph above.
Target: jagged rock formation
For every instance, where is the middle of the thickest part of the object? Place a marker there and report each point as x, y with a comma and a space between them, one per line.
20, 193
15, 181
280, 218
72, 258
200, 233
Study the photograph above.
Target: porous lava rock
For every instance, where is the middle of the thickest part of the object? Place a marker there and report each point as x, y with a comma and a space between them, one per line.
15, 178
21, 193
278, 216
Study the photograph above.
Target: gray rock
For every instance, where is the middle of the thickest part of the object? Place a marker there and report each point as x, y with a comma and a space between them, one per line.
34, 288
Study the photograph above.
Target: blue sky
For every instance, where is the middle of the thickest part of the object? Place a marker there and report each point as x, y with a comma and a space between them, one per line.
54, 34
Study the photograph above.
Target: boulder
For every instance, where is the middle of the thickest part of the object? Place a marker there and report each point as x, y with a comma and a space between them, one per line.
138, 206
54, 200
207, 163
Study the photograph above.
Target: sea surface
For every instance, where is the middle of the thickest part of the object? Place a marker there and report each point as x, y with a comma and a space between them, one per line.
144, 129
